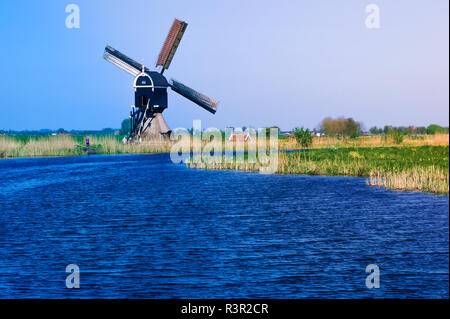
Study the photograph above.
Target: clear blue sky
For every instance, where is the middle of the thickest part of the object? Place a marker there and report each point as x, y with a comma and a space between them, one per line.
285, 63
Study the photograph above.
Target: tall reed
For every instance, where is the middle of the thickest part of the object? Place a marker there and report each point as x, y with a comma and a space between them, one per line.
428, 179
60, 145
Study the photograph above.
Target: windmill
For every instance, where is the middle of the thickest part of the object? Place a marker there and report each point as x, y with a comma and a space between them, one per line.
150, 88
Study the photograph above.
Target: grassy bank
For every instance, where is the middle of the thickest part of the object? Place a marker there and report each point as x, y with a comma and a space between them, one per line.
419, 163
67, 145
30, 146
423, 168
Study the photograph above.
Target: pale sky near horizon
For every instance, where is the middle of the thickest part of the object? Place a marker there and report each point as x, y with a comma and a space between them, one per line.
284, 63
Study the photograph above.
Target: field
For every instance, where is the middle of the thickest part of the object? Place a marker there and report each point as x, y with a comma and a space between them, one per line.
68, 145
419, 163
366, 141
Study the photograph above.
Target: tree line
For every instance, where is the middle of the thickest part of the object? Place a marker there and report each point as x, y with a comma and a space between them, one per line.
349, 127
340, 127
410, 130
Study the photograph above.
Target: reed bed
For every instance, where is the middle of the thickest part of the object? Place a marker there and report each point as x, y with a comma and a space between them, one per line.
111, 145
428, 179
67, 145
61, 145
423, 168
9, 147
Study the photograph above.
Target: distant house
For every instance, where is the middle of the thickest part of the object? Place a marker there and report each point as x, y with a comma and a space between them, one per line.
239, 137
316, 133
286, 133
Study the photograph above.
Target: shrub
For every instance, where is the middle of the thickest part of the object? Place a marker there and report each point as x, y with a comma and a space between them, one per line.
396, 136
303, 137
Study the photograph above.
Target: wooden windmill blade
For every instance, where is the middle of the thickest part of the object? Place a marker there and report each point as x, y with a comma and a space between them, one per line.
122, 61
171, 43
198, 98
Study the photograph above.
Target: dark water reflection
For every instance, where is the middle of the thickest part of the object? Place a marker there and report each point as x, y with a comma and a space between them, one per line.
140, 226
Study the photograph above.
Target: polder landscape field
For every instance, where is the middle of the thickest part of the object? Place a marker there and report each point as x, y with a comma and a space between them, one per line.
419, 162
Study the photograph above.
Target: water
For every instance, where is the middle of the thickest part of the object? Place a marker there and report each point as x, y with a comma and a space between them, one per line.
141, 226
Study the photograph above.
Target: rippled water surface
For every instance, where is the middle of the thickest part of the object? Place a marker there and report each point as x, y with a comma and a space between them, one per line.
140, 226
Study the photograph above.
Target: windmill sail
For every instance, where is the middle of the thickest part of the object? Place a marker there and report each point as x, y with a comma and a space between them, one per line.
122, 61
205, 102
171, 44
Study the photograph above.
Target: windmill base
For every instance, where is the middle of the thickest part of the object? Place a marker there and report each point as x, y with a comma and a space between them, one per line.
152, 130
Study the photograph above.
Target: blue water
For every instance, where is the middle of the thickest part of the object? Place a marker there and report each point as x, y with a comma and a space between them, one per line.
141, 226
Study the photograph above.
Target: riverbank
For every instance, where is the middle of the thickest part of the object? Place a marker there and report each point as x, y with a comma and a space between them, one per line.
422, 168
73, 145
420, 163
67, 145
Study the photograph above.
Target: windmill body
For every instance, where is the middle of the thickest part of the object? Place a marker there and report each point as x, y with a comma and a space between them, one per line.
150, 89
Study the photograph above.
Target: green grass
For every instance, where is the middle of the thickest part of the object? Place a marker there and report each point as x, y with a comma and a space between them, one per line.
362, 161
414, 168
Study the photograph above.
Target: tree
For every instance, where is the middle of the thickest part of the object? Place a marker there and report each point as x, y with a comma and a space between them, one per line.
125, 127
340, 126
435, 129
387, 129
352, 128
303, 137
